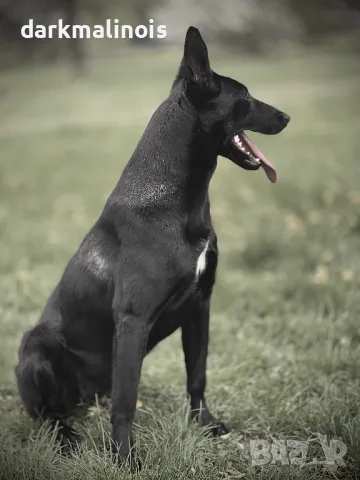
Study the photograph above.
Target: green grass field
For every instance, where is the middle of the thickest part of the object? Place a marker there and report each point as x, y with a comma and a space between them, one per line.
284, 357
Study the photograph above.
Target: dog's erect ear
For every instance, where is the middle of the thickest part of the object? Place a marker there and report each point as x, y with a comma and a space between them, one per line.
196, 56
195, 65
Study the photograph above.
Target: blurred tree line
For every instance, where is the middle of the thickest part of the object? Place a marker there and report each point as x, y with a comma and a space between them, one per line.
16, 13
253, 25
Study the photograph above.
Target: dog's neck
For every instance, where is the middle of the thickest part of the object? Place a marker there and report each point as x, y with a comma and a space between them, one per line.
173, 163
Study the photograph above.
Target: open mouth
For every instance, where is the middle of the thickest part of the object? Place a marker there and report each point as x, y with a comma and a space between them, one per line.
252, 157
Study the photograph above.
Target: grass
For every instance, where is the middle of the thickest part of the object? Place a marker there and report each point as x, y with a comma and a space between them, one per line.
285, 337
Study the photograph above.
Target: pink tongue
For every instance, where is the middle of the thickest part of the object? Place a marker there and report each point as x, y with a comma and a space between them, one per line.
265, 163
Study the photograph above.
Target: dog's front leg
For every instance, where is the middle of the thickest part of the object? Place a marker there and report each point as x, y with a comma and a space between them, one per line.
129, 346
195, 338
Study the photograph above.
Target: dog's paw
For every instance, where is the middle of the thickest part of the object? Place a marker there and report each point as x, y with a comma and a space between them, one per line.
213, 426
68, 439
134, 461
131, 459
216, 429
124, 453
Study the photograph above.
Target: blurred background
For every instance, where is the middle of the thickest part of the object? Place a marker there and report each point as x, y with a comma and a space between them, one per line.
285, 333
256, 26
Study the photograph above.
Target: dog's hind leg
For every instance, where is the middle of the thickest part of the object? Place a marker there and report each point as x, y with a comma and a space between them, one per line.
47, 381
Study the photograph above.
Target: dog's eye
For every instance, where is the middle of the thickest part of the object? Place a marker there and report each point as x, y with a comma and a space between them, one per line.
247, 95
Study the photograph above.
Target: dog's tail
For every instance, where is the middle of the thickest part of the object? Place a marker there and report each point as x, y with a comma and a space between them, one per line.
46, 380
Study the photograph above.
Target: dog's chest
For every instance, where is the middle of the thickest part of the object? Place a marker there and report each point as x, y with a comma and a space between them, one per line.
202, 259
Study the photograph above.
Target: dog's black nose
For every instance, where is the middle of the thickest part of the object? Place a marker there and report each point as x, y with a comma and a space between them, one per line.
283, 117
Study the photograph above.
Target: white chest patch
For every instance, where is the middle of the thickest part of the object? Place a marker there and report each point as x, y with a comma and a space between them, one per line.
201, 262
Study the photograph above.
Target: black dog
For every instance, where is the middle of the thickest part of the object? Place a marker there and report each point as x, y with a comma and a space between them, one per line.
147, 267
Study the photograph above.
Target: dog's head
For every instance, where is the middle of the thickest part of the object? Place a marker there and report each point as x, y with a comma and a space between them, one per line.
226, 108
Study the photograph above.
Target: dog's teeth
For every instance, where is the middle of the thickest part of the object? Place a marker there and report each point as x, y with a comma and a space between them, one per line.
237, 138
257, 160
240, 144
